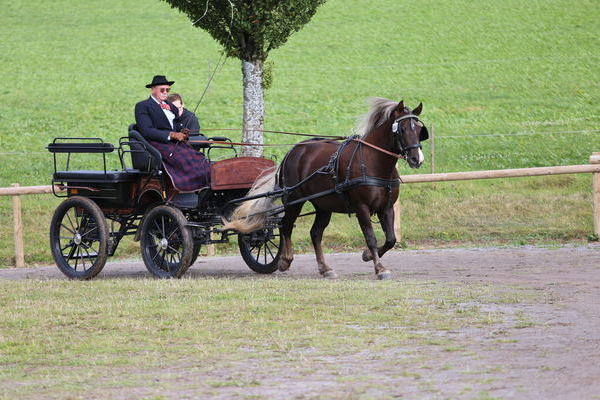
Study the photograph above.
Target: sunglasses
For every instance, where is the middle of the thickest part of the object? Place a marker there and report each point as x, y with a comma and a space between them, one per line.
163, 90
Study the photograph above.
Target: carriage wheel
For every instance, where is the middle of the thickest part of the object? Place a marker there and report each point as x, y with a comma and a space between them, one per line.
261, 249
79, 238
195, 254
166, 242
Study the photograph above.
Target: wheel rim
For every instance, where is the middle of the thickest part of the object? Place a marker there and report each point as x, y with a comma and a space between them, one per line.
78, 239
264, 252
165, 243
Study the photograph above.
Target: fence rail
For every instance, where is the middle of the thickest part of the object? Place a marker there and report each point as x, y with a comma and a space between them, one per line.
594, 168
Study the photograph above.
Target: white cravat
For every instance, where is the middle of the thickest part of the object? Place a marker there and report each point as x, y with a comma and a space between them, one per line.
168, 113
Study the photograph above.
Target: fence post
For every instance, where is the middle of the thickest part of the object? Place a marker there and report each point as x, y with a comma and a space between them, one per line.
18, 230
397, 219
432, 148
595, 159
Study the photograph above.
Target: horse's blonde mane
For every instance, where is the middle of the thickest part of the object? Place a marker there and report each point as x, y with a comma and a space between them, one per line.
381, 110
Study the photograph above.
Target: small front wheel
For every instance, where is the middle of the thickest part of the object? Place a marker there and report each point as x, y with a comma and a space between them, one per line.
79, 238
261, 249
166, 242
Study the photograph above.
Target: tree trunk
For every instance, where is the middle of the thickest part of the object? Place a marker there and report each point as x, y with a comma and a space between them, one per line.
254, 107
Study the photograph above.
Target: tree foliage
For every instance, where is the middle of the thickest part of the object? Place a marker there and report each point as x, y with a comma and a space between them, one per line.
249, 29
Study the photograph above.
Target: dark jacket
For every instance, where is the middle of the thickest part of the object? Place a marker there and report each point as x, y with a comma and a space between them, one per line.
152, 121
189, 120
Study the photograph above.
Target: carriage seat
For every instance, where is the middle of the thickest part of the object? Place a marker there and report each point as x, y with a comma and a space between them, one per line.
144, 156
89, 176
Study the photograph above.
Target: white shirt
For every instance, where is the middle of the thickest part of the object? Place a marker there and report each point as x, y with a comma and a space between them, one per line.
169, 114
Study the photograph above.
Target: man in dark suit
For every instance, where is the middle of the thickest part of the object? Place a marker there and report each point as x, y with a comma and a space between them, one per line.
158, 121
157, 118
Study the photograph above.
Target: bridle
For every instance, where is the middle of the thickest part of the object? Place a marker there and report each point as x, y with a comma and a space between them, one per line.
398, 131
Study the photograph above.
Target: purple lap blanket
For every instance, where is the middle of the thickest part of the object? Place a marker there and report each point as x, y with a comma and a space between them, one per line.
188, 169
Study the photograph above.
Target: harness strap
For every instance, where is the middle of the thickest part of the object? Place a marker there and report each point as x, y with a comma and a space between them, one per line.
345, 186
384, 151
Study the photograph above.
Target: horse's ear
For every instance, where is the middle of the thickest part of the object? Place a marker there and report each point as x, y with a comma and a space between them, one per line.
401, 106
418, 109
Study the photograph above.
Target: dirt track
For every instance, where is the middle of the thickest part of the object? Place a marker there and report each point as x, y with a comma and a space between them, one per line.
556, 355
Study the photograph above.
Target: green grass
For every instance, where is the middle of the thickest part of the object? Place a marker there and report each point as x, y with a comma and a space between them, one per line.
65, 339
479, 67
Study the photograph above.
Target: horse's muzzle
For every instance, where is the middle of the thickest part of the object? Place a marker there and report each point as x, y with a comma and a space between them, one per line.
415, 158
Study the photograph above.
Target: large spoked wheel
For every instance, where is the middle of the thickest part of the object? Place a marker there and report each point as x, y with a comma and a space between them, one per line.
166, 242
195, 254
261, 249
79, 238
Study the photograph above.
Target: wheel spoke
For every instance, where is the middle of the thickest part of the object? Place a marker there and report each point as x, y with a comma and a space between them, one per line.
67, 228
89, 231
157, 226
174, 230
63, 249
72, 252
157, 253
71, 222
270, 252
168, 262
265, 256
258, 254
97, 251
89, 255
83, 262
77, 258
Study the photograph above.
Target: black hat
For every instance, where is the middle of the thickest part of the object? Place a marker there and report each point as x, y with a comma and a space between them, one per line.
159, 80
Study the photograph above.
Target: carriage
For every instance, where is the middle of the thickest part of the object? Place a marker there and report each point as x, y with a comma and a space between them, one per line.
356, 175
101, 207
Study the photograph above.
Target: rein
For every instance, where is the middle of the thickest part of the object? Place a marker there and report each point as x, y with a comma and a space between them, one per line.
384, 151
281, 132
396, 129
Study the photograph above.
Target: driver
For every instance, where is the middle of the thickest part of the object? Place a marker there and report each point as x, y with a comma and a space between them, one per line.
158, 121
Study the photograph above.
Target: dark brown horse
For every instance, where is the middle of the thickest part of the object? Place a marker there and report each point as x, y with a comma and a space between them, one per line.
364, 170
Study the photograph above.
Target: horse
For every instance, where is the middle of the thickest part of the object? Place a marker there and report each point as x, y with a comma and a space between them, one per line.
357, 176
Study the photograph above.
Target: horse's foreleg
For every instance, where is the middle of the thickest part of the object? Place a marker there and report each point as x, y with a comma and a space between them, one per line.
287, 226
386, 218
322, 219
364, 219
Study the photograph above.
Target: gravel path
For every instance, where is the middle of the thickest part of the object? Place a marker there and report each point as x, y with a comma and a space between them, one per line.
556, 355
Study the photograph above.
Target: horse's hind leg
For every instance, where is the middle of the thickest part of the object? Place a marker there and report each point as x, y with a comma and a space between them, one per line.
386, 219
322, 219
287, 226
364, 219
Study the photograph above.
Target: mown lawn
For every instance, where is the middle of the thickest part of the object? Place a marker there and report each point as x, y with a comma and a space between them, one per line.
526, 70
100, 339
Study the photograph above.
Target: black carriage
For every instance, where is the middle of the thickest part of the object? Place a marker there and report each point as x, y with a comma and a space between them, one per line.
103, 206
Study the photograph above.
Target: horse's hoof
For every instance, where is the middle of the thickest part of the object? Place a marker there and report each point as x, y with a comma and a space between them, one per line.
366, 255
283, 266
331, 274
384, 275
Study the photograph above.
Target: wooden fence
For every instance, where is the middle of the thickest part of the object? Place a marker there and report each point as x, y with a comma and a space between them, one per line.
594, 168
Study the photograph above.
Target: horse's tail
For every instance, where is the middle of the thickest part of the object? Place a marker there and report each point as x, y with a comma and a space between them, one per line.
252, 214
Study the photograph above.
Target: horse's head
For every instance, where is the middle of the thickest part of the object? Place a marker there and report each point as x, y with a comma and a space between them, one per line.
408, 133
